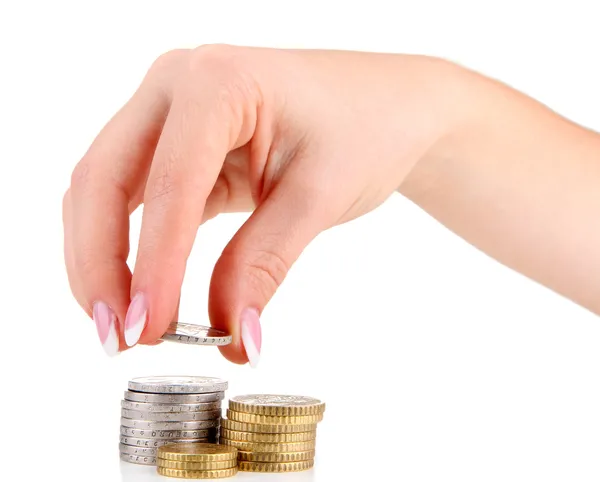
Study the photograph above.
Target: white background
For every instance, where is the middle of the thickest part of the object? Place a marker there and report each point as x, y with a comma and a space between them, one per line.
436, 363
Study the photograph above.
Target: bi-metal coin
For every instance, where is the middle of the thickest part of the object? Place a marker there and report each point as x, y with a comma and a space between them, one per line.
167, 434
138, 459
173, 398
171, 416
196, 335
155, 425
134, 450
155, 443
170, 407
177, 384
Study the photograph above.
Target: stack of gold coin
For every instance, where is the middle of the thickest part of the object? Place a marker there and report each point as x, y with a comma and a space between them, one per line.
196, 461
273, 433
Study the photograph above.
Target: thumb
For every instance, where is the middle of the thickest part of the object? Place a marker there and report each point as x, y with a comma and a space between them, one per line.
255, 263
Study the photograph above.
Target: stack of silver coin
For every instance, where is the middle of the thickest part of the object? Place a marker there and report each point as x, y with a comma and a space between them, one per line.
161, 410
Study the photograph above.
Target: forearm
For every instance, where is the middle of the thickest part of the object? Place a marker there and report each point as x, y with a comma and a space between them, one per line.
520, 183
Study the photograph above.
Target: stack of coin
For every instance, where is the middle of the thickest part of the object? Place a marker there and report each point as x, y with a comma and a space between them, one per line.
196, 461
157, 411
273, 433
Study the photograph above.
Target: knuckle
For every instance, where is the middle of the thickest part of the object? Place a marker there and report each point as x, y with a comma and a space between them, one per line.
267, 270
166, 60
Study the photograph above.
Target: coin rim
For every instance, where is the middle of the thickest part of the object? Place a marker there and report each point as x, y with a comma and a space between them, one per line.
273, 420
268, 427
215, 423
246, 456
270, 447
229, 454
197, 474
175, 397
276, 466
276, 410
195, 465
159, 416
217, 385
270, 437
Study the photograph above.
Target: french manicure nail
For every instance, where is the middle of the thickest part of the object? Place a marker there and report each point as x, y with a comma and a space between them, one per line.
251, 335
136, 318
106, 324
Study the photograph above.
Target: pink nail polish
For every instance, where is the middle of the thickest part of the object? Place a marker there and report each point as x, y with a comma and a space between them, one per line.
136, 318
251, 335
106, 324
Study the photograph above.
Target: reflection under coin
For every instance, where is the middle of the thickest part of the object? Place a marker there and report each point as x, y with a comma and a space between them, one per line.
142, 473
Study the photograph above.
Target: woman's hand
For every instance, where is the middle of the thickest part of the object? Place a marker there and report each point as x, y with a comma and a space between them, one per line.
305, 139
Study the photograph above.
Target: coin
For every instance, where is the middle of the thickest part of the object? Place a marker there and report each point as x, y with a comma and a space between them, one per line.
196, 335
265, 447
154, 425
197, 452
155, 443
170, 407
177, 384
277, 405
275, 467
138, 459
173, 398
268, 437
267, 428
197, 474
134, 450
171, 417
212, 465
167, 434
267, 419
275, 457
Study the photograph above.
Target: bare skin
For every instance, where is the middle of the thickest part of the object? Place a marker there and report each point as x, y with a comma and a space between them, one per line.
307, 140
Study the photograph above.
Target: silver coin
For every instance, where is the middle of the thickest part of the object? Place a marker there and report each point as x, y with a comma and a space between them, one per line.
177, 384
170, 408
173, 398
196, 335
168, 434
155, 443
155, 425
171, 417
135, 450
138, 459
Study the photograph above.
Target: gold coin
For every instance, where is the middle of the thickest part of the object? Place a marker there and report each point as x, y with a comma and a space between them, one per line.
268, 437
275, 447
197, 474
196, 452
254, 418
277, 405
276, 467
275, 457
213, 465
266, 427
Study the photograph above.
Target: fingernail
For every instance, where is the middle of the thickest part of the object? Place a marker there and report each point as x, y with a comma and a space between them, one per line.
135, 321
106, 324
251, 335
